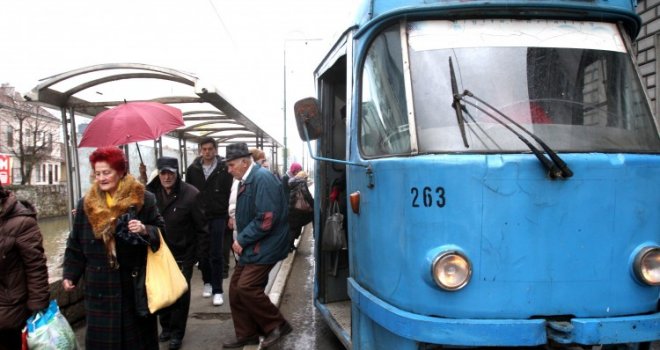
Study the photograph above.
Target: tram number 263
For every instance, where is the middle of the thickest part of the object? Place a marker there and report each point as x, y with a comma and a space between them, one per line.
428, 197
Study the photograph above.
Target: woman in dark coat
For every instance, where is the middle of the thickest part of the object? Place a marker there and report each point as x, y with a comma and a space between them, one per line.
299, 218
23, 270
110, 263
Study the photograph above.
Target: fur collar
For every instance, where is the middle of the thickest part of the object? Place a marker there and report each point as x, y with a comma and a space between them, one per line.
102, 218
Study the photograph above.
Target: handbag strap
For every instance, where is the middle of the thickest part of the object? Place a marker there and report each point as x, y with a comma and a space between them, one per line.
335, 207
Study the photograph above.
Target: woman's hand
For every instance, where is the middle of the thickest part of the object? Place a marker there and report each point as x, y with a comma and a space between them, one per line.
230, 223
68, 285
136, 226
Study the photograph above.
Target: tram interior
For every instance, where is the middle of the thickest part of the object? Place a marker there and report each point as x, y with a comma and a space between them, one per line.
333, 269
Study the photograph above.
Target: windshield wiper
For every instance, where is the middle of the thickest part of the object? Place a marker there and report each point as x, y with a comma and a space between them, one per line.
457, 104
556, 168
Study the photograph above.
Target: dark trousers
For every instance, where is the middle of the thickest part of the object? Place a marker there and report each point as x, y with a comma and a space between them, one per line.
226, 248
251, 309
11, 339
212, 267
174, 318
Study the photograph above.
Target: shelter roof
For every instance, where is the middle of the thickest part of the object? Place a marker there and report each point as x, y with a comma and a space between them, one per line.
206, 112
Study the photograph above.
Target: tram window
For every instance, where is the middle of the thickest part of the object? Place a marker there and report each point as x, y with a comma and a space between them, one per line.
383, 122
576, 97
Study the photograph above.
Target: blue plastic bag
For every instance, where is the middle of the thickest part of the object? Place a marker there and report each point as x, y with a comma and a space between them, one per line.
49, 330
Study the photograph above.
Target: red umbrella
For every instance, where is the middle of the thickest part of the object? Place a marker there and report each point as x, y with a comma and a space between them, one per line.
131, 122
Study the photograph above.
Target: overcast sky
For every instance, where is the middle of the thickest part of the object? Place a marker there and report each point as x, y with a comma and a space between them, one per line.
237, 45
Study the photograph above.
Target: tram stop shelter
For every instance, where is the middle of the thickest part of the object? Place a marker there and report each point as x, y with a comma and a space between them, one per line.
85, 92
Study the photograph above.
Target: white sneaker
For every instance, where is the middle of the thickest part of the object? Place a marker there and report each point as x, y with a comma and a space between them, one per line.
217, 299
207, 290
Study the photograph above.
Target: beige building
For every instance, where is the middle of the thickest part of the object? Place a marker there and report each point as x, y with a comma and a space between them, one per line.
40, 139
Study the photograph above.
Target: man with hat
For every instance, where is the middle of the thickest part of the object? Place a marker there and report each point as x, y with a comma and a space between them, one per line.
186, 235
262, 241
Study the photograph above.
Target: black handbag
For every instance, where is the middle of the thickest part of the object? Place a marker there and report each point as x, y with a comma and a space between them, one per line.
334, 237
138, 275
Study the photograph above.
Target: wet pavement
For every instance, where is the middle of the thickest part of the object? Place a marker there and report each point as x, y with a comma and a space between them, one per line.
309, 329
209, 326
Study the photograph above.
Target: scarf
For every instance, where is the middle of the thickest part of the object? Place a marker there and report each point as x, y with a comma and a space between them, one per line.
103, 217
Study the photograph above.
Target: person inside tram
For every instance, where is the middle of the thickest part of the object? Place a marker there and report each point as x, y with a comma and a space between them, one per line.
116, 222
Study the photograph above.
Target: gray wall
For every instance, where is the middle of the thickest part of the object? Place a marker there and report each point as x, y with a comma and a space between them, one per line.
647, 45
49, 200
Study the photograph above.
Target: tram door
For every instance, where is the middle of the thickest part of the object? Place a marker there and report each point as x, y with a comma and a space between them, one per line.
332, 267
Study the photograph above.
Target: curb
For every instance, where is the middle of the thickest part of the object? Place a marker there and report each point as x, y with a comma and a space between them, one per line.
276, 290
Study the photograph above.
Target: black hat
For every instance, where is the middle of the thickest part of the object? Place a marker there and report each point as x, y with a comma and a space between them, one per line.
237, 150
167, 163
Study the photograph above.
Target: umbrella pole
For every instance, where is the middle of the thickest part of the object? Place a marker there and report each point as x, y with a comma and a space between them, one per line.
139, 154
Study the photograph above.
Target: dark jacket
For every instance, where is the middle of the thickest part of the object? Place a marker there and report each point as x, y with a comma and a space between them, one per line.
85, 254
23, 270
187, 233
215, 190
298, 218
261, 218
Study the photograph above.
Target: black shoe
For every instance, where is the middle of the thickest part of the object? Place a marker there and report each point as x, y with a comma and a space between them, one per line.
175, 344
239, 343
276, 334
164, 336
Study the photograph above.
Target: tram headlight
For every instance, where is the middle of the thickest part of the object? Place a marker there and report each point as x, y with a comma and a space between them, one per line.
451, 270
647, 265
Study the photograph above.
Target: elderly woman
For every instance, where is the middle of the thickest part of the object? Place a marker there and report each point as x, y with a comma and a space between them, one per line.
115, 223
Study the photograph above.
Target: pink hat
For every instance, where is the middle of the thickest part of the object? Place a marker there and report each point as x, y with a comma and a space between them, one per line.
295, 167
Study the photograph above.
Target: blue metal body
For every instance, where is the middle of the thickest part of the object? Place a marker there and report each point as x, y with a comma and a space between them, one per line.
551, 259
540, 249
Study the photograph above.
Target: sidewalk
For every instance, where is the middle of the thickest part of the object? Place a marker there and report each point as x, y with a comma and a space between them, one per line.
209, 326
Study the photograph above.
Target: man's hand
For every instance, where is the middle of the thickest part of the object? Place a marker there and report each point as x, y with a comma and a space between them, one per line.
143, 173
236, 247
230, 223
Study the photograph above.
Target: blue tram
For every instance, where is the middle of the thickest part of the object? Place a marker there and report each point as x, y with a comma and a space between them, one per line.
498, 168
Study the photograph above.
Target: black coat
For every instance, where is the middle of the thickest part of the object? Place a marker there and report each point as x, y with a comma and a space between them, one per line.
186, 229
215, 190
108, 318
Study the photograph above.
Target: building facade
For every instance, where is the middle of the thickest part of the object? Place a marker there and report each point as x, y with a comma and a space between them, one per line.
30, 137
646, 48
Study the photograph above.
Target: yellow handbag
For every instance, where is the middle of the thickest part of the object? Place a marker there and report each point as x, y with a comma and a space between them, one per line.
164, 281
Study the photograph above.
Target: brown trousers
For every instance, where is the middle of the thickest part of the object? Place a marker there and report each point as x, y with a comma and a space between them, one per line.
251, 309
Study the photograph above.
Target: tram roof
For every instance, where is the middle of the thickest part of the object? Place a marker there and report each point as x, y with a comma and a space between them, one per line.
610, 10
90, 90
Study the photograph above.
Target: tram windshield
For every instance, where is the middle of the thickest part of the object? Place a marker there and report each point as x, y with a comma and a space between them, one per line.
572, 84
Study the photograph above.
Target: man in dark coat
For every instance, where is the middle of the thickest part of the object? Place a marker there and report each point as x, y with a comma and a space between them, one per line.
186, 236
23, 270
262, 241
208, 173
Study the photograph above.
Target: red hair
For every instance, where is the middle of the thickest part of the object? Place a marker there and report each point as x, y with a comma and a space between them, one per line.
111, 155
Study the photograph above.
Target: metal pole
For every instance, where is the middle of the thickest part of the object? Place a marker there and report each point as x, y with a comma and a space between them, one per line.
285, 153
69, 166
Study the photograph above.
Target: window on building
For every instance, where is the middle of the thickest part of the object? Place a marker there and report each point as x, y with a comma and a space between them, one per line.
10, 136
